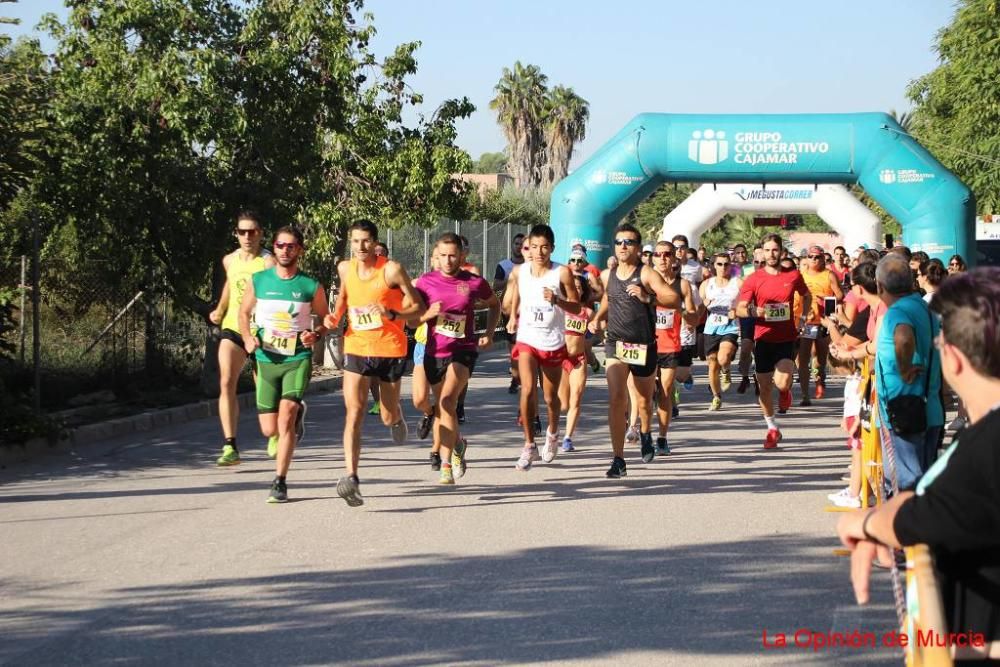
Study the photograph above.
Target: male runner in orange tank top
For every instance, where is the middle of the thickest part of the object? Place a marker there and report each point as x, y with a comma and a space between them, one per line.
377, 296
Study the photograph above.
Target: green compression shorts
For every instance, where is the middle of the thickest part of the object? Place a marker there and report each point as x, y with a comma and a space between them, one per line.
281, 382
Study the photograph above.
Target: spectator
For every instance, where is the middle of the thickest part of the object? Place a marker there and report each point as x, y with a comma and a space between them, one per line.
918, 258
930, 277
955, 509
647, 255
907, 365
466, 264
956, 265
381, 250
507, 265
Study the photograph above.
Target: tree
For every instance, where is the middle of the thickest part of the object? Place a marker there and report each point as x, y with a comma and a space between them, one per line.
566, 115
520, 106
956, 115
490, 163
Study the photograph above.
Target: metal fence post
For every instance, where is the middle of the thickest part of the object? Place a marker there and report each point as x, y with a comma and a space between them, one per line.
427, 237
24, 292
485, 249
36, 341
388, 242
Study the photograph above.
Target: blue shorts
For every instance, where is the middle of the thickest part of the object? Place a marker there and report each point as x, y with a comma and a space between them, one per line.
418, 354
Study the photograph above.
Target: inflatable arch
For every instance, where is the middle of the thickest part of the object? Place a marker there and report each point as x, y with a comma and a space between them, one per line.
935, 209
706, 206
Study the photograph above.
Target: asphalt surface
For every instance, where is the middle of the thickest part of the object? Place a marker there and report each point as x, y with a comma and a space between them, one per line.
139, 550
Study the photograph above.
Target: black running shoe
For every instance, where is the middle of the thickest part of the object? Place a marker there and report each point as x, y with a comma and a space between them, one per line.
514, 387
279, 491
538, 425
756, 387
617, 469
460, 413
349, 488
646, 447
744, 385
424, 427
662, 448
435, 461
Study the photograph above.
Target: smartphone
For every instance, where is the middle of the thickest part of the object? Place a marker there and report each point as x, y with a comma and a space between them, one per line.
890, 242
829, 305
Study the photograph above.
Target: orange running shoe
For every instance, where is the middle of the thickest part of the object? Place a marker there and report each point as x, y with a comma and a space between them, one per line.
784, 401
820, 390
772, 439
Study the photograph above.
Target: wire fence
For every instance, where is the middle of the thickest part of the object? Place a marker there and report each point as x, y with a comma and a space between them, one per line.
489, 243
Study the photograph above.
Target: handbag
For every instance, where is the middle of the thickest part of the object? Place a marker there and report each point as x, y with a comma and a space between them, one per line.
907, 414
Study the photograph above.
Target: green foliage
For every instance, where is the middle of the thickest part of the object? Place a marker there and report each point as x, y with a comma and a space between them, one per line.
957, 115
490, 163
514, 206
648, 216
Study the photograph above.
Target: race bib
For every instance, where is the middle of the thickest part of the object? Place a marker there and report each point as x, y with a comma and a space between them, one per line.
665, 318
777, 312
717, 320
540, 316
631, 353
810, 331
451, 325
576, 324
279, 342
364, 319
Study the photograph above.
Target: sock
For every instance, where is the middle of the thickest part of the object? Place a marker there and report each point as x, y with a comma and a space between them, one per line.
231, 442
280, 478
771, 422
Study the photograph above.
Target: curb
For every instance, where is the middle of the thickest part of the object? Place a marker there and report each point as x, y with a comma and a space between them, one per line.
151, 420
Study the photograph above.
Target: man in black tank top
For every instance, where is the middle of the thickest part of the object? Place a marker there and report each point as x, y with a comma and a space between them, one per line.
628, 307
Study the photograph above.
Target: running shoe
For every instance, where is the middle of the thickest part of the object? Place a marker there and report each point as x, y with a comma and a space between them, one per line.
447, 476
646, 448
956, 424
689, 383
528, 456
756, 387
458, 458
727, 380
551, 447
538, 425
677, 395
424, 427
349, 488
716, 403
820, 390
399, 431
515, 386
662, 448
272, 447
784, 401
843, 498
375, 409
279, 491
595, 366
567, 444
300, 422
675, 412
617, 469
632, 434
230, 456
460, 413
744, 385
772, 439
435, 461
805, 402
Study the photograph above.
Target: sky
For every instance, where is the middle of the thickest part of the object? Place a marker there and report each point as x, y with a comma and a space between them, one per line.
668, 56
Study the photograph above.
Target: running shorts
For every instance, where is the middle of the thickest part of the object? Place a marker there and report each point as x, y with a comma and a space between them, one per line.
766, 355
667, 359
436, 367
234, 337
686, 356
281, 382
644, 371
548, 358
714, 341
418, 354
386, 369
571, 363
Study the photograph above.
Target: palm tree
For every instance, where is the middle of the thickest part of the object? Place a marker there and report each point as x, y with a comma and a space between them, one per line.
566, 116
520, 106
905, 119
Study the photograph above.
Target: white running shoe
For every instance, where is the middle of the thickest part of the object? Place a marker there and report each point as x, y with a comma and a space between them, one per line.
551, 447
632, 435
528, 455
843, 498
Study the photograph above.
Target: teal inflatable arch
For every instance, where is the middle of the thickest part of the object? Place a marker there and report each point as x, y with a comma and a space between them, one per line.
936, 210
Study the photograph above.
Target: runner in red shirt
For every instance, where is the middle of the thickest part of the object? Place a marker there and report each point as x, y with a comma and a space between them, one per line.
767, 296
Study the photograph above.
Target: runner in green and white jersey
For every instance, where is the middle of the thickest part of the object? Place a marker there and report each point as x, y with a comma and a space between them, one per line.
282, 300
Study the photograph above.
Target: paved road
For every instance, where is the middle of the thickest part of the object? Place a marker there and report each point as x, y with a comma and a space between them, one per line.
140, 550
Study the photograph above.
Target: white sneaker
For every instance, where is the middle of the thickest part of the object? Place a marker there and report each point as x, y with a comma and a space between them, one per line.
551, 447
528, 455
843, 498
632, 435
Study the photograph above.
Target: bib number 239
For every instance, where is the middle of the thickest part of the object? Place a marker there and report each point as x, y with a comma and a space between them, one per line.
777, 312
631, 353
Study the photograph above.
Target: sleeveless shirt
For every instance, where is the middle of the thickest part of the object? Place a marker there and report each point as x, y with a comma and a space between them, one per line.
369, 334
629, 320
718, 302
238, 273
540, 324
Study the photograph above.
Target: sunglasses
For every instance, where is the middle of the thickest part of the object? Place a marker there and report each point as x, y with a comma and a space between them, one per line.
247, 232
291, 245
647, 252
628, 243
758, 263
722, 264
816, 257
954, 264
663, 254
577, 261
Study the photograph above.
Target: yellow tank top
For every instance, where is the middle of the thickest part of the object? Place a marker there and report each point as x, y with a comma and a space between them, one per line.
819, 287
368, 334
238, 274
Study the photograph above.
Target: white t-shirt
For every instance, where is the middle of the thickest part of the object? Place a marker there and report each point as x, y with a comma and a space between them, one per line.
852, 397
540, 324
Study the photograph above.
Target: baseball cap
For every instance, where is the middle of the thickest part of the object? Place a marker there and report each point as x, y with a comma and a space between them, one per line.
578, 254
579, 246
816, 250
647, 248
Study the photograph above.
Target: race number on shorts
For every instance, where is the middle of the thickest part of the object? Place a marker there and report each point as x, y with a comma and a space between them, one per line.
777, 312
366, 318
451, 325
631, 353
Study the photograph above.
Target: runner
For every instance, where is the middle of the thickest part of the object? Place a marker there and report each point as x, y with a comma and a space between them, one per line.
542, 293
420, 388
767, 296
628, 307
282, 301
692, 333
822, 284
720, 295
239, 265
505, 306
668, 337
504, 268
377, 297
747, 325
381, 250
450, 356
471, 268
574, 377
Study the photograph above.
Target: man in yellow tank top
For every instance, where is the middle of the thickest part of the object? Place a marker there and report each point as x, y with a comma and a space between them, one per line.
822, 284
239, 266
377, 297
